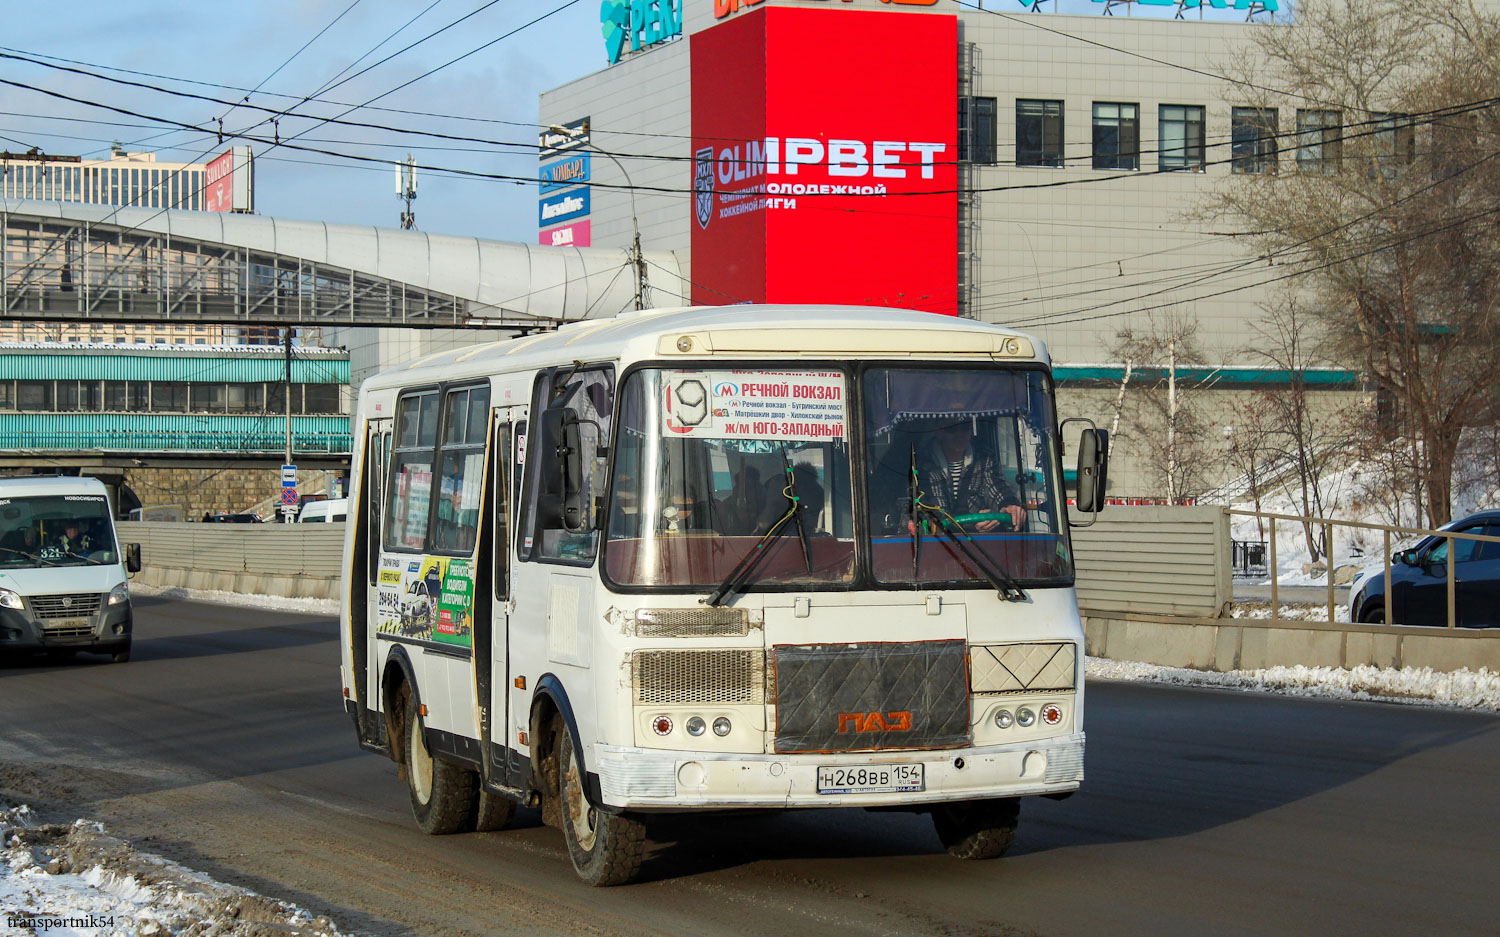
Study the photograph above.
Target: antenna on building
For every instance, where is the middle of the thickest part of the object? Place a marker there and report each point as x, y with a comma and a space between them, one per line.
406, 189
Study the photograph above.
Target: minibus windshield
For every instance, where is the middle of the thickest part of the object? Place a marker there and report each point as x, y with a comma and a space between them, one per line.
56, 530
709, 460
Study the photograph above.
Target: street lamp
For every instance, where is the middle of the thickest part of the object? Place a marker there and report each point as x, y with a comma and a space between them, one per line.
636, 257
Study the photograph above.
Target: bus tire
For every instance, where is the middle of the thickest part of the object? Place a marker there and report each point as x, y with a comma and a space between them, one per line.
442, 794
491, 812
121, 654
977, 829
606, 848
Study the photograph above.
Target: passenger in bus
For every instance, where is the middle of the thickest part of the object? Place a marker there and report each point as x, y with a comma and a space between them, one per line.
23, 539
752, 505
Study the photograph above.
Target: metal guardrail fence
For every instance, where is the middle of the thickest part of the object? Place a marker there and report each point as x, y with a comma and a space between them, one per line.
1327, 526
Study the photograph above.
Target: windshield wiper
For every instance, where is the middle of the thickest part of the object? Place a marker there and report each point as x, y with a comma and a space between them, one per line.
748, 563
920, 513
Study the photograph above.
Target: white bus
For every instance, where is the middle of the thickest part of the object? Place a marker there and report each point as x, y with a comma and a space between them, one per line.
705, 558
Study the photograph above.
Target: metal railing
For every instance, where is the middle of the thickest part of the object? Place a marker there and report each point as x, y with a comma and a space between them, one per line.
1326, 526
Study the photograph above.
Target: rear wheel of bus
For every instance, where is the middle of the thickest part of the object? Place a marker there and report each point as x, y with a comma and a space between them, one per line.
606, 848
977, 829
442, 794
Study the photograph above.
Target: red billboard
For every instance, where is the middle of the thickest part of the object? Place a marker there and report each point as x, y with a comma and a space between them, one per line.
228, 181
824, 147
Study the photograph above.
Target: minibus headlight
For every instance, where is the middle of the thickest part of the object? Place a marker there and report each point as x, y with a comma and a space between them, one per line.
9, 599
1025, 718
1003, 719
119, 595
722, 726
695, 726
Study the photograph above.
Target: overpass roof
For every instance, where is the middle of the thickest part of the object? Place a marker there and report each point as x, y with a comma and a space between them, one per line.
28, 361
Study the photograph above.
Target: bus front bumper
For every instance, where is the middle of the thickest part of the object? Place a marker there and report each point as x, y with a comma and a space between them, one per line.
646, 779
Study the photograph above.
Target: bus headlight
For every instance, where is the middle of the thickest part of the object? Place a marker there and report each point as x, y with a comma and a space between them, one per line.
9, 599
721, 726
1003, 719
695, 726
119, 594
1025, 718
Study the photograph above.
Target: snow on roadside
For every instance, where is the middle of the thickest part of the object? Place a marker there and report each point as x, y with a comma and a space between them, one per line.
1420, 686
71, 880
278, 603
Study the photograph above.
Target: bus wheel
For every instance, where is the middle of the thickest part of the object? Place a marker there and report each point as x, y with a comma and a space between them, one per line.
491, 812
442, 794
977, 829
605, 848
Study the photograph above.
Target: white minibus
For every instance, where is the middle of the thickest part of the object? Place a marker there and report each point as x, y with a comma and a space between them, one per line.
719, 558
62, 573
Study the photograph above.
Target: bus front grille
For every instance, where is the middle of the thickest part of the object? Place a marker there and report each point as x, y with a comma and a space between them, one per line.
871, 697
726, 676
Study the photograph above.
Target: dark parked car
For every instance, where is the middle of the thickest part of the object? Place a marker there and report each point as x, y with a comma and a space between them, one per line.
231, 519
1419, 580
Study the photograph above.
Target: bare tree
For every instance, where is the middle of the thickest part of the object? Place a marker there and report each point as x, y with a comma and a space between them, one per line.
1253, 451
1388, 225
1166, 412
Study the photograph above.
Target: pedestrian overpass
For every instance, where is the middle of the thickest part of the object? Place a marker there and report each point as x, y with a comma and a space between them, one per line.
66, 262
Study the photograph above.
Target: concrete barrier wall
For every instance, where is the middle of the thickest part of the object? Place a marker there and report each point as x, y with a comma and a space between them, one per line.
1155, 561
1225, 644
297, 560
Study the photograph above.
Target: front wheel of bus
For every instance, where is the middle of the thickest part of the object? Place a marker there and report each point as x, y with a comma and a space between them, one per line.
605, 848
442, 794
977, 829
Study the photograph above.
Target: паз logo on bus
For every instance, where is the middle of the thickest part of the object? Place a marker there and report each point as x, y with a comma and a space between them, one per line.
875, 722
703, 186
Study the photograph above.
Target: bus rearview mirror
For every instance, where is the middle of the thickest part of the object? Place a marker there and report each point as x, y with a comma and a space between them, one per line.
1093, 468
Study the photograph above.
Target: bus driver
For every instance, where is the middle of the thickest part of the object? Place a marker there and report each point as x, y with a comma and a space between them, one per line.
957, 478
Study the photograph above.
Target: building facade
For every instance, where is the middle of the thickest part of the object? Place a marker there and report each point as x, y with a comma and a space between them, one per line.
1052, 173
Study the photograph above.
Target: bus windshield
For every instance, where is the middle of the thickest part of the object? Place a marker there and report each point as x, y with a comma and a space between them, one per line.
710, 460
58, 530
960, 469
963, 461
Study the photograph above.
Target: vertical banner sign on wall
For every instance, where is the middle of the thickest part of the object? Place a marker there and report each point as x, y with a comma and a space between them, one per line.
822, 176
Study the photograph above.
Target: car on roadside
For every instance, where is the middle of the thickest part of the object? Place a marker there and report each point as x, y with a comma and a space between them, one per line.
232, 519
1419, 580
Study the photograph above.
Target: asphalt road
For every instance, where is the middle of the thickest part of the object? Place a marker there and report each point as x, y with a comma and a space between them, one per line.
223, 745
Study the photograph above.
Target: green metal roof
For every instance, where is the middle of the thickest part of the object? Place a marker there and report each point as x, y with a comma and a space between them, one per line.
33, 365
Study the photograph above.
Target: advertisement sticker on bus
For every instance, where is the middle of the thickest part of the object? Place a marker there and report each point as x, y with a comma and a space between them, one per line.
776, 405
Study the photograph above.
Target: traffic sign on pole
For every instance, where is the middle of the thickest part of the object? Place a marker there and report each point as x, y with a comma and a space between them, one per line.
288, 496
289, 476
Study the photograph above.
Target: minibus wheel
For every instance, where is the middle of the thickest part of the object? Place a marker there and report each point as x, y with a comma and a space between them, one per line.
491, 812
121, 654
977, 829
442, 794
606, 848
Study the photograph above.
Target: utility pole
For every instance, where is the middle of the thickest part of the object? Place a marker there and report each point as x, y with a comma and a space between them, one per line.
406, 189
286, 510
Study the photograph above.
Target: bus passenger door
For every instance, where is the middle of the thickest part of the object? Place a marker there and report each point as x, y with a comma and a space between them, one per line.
371, 508
491, 646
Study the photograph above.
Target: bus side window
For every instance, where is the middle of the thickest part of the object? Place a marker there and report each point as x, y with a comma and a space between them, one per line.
461, 479
409, 498
590, 395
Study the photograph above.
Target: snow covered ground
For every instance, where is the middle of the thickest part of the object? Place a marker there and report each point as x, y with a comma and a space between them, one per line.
74, 880
275, 603
1420, 686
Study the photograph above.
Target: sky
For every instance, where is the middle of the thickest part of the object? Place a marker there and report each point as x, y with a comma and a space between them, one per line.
490, 95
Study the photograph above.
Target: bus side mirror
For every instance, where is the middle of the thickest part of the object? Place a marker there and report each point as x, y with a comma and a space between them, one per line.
132, 557
1093, 469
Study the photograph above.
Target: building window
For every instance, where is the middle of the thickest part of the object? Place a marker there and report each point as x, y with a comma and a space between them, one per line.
7, 395
1253, 144
169, 396
1117, 136
34, 396
977, 130
1039, 133
321, 398
207, 398
1180, 137
247, 398
1395, 140
1319, 140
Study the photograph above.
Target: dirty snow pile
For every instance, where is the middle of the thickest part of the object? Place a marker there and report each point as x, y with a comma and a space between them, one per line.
1421, 686
73, 879
276, 603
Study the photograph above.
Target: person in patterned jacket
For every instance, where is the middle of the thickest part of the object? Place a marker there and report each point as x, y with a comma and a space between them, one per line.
957, 478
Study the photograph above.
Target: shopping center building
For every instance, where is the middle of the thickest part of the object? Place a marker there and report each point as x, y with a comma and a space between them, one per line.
1047, 172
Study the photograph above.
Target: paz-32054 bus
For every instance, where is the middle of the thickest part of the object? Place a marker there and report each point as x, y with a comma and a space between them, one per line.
739, 557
